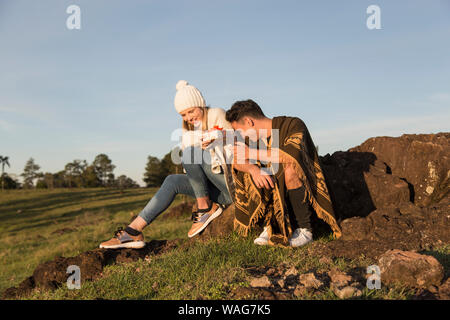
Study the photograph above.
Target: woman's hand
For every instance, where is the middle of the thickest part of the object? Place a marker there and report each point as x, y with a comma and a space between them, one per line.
262, 180
206, 143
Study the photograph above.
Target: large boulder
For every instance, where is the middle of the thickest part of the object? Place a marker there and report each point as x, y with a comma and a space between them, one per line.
410, 269
422, 160
359, 183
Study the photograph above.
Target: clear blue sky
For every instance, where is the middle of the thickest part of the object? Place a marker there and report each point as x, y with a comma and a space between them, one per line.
109, 87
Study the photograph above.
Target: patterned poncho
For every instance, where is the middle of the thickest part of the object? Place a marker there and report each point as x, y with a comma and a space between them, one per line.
252, 203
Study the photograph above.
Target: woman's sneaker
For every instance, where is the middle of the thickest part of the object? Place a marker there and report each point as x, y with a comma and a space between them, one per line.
300, 237
123, 239
263, 238
202, 219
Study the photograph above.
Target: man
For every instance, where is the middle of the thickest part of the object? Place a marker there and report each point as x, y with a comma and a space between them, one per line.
283, 174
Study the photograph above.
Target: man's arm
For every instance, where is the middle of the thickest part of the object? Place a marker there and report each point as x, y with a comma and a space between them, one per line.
261, 180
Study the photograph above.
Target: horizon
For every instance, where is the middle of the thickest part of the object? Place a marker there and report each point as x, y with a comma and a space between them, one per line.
109, 86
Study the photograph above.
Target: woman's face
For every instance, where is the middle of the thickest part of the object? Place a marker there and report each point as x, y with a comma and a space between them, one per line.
193, 116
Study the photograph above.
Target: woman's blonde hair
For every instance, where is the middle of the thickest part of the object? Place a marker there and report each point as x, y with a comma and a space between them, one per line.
189, 127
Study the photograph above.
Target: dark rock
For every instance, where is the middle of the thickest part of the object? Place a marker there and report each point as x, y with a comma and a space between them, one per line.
309, 280
410, 269
422, 160
444, 290
339, 278
262, 282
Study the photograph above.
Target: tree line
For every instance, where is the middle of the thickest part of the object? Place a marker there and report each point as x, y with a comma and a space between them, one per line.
80, 174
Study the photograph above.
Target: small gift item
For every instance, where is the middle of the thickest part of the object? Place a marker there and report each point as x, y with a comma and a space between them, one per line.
212, 134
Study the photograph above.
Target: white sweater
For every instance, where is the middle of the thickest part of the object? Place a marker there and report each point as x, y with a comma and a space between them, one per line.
216, 117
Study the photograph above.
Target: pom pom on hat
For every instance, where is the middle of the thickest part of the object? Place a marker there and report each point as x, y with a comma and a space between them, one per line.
181, 84
187, 96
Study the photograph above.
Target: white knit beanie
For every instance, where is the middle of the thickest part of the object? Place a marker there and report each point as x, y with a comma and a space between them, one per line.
187, 96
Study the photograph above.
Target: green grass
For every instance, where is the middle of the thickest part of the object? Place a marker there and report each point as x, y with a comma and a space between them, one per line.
28, 218
195, 270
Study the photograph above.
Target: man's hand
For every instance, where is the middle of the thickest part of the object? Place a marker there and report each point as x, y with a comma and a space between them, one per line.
262, 180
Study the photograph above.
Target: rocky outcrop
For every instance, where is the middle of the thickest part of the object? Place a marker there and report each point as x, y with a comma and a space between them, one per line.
421, 160
378, 193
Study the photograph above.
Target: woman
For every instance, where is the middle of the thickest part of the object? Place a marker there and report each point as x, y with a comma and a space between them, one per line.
204, 179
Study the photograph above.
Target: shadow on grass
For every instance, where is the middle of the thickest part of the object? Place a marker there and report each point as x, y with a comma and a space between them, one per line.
33, 207
70, 215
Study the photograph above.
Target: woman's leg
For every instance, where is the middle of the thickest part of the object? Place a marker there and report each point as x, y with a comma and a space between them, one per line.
131, 236
193, 162
217, 186
206, 184
174, 184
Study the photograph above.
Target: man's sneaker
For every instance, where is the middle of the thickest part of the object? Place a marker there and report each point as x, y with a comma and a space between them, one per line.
263, 238
300, 237
202, 219
123, 239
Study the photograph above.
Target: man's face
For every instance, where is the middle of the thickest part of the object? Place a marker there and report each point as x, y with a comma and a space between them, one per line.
246, 127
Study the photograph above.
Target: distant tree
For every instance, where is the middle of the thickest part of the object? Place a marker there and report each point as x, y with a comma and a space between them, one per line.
124, 182
3, 161
30, 173
41, 184
46, 181
103, 168
153, 177
157, 170
9, 182
90, 178
110, 181
49, 180
59, 180
168, 167
74, 173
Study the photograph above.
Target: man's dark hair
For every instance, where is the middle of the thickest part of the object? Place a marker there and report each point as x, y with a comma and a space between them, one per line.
244, 108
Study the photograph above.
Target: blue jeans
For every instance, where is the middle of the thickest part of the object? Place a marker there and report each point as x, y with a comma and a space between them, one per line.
199, 181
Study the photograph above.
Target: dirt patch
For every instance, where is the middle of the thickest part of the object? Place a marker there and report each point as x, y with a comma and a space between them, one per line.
52, 274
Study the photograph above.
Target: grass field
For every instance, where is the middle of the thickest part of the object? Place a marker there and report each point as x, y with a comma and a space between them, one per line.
38, 225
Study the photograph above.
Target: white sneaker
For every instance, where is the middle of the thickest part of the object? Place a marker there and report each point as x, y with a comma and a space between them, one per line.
300, 237
263, 238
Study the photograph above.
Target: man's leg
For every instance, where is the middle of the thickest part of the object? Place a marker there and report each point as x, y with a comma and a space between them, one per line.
296, 194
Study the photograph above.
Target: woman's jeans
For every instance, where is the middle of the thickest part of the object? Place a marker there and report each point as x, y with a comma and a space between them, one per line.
199, 181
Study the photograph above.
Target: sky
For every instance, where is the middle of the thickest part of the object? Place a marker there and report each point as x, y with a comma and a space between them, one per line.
109, 86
